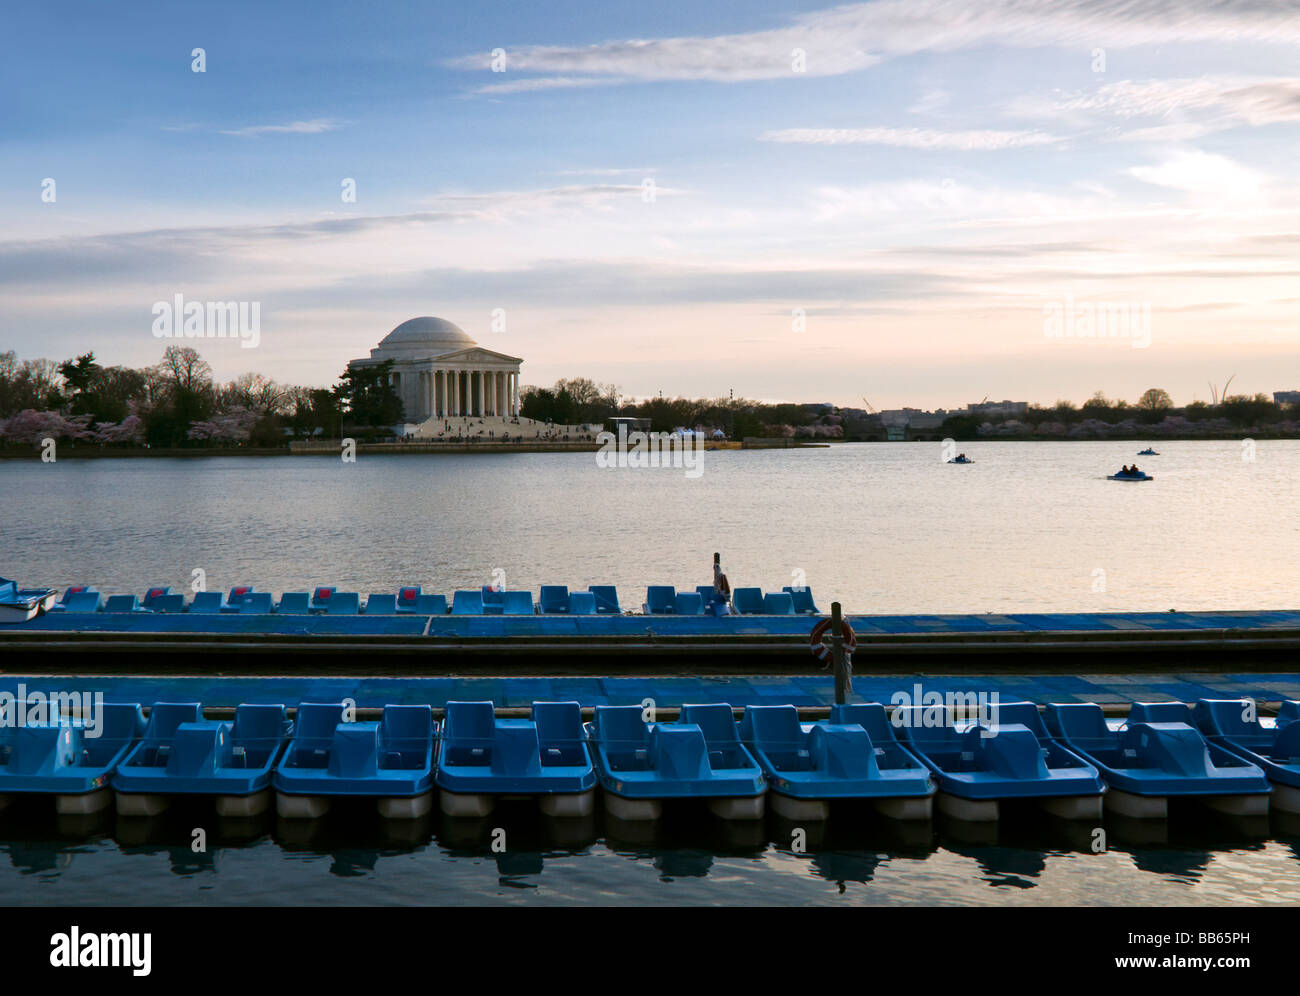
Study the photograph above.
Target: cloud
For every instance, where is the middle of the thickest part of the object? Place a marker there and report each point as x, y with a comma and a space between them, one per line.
1203, 173
313, 127
1181, 109
851, 38
912, 138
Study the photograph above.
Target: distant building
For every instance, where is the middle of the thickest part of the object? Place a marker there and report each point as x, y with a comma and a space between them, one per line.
1000, 408
440, 372
1286, 397
912, 418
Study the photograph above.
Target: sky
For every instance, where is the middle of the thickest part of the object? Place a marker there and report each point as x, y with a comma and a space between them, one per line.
788, 201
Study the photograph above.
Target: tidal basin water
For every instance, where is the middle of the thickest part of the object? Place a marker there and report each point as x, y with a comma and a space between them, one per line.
351, 858
885, 527
881, 527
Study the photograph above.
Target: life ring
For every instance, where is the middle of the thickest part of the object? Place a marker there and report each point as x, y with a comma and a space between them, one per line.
822, 651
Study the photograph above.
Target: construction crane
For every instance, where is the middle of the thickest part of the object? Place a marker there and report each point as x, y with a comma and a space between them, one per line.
870, 410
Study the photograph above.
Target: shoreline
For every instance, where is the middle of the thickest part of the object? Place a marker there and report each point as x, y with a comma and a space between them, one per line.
74, 453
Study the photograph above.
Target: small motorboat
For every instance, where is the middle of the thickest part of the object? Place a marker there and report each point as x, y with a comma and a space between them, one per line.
1234, 725
1122, 476
1157, 754
20, 604
1148, 452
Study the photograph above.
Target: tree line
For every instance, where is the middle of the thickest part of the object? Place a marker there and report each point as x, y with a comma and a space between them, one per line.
579, 400
176, 403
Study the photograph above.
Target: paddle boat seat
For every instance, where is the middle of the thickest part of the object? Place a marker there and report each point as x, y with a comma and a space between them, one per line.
206, 602
381, 605
688, 603
321, 598
553, 598
747, 601
660, 599
493, 600
606, 596
153, 594
122, 603
467, 603
61, 604
803, 599
257, 602
343, 603
239, 594
517, 603
168, 603
85, 601
582, 603
294, 603
778, 604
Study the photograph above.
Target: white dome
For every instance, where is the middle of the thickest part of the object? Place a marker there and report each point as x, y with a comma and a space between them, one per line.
426, 335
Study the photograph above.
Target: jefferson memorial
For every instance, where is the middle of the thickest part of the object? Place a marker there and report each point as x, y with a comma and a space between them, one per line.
439, 372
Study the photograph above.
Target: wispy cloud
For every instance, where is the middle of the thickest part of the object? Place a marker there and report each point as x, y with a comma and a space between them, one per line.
855, 37
912, 138
1203, 173
1178, 109
313, 127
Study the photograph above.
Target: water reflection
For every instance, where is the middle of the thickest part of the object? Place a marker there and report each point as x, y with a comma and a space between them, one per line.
692, 855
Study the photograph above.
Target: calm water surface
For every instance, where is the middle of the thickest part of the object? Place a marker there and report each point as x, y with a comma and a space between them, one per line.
882, 527
350, 858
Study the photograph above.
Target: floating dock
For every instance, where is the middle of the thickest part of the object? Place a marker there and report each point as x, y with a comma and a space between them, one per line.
1069, 643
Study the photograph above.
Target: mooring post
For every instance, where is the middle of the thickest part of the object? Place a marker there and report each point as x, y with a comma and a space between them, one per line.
843, 674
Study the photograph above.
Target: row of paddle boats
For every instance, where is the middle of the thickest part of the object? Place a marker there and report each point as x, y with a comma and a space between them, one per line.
1068, 758
20, 605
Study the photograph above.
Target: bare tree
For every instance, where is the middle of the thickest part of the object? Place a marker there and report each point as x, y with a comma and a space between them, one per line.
257, 393
186, 369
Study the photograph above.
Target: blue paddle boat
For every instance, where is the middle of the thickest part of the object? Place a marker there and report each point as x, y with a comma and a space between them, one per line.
851, 757
1157, 754
20, 604
182, 753
1013, 757
1234, 725
640, 764
390, 761
482, 759
1130, 476
68, 758
961, 458
1148, 452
